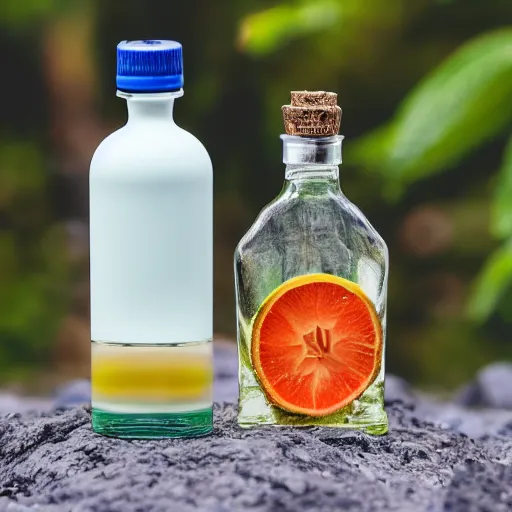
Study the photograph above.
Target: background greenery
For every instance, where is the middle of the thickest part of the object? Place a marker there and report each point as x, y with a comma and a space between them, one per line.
426, 89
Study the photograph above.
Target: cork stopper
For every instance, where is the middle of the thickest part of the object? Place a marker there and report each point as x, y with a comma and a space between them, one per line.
312, 114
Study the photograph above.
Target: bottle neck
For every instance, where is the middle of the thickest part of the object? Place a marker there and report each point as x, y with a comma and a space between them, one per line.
312, 163
150, 107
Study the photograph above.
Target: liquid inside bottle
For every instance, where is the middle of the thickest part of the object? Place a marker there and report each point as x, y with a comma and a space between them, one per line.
154, 383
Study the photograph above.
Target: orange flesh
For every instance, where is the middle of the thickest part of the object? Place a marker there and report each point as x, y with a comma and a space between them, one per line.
316, 344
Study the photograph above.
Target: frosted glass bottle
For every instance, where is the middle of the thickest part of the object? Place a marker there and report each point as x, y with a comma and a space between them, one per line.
151, 260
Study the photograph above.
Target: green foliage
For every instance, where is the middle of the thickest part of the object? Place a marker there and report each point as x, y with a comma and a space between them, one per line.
21, 175
456, 109
16, 12
492, 283
266, 31
33, 260
496, 276
453, 111
370, 53
501, 206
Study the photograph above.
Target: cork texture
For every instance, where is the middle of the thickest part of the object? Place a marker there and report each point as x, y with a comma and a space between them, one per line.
312, 114
314, 98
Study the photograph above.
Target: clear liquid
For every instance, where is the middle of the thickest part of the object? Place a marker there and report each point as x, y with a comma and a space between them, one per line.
310, 228
141, 390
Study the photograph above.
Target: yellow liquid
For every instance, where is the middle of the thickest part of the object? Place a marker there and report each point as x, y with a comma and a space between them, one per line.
148, 374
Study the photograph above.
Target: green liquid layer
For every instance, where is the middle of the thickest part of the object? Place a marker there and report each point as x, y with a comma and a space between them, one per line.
153, 426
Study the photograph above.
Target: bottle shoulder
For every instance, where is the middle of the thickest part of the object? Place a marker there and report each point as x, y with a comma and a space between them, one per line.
151, 147
297, 235
292, 219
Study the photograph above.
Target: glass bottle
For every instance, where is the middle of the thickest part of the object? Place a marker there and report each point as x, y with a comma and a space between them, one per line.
151, 260
311, 230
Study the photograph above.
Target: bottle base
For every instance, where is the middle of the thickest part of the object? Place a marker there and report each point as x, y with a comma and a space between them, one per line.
375, 429
152, 425
367, 414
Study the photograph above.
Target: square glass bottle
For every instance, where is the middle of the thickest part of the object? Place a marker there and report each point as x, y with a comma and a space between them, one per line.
311, 283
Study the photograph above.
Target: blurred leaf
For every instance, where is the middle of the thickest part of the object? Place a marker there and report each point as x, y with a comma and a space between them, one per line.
21, 171
454, 110
265, 31
33, 272
496, 276
501, 206
9, 264
16, 12
491, 284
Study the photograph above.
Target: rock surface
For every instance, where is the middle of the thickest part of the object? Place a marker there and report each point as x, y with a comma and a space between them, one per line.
491, 388
437, 457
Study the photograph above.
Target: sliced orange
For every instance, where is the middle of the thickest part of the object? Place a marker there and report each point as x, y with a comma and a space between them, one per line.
316, 344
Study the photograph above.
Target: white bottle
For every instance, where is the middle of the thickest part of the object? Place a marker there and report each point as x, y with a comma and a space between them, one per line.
151, 259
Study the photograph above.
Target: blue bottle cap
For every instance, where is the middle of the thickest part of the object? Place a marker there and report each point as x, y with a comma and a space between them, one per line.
149, 66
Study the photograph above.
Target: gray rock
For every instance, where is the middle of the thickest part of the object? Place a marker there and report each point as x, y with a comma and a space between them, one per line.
397, 389
77, 392
469, 395
54, 461
480, 486
437, 457
491, 388
473, 423
11, 403
225, 360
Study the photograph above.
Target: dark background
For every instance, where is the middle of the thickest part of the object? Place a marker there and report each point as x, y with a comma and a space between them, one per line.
426, 92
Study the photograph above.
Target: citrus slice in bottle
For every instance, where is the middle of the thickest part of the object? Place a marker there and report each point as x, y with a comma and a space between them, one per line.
316, 344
